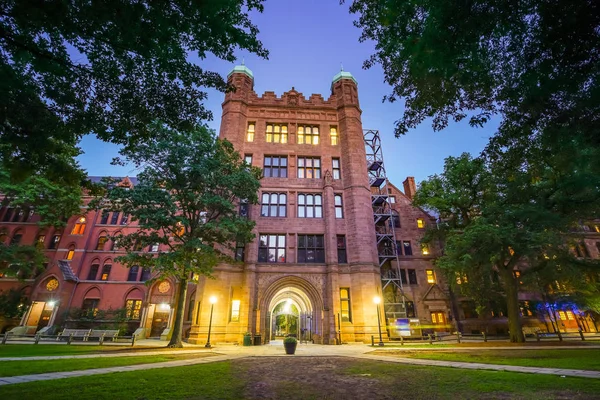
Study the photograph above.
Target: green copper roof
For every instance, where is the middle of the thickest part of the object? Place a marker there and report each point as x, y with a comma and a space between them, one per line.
241, 69
343, 75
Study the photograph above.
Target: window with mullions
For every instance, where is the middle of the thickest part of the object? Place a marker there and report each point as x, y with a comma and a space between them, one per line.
239, 251
104, 218
271, 248
335, 166
146, 274
244, 208
341, 249
407, 249
346, 312
339, 206
273, 205
276, 133
105, 272
309, 167
115, 218
275, 167
310, 206
93, 272
308, 134
133, 273
412, 277
311, 249
335, 138
134, 308
250, 133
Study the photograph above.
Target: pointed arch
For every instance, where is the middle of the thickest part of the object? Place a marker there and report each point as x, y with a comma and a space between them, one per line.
101, 241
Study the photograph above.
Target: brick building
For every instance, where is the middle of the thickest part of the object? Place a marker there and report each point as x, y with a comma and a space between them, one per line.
315, 267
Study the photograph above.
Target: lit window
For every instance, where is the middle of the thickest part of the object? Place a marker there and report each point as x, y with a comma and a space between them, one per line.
70, 253
310, 206
250, 135
562, 315
308, 134
339, 207
105, 272
570, 315
79, 227
273, 205
133, 309
179, 229
275, 167
271, 248
461, 278
235, 310
276, 133
39, 241
424, 249
438, 318
89, 307
334, 136
311, 249
420, 223
101, 242
346, 311
430, 276
309, 167
335, 164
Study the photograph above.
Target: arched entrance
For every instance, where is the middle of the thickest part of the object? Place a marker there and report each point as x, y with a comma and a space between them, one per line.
292, 306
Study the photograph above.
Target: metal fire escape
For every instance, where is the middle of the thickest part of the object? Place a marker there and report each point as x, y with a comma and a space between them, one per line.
391, 283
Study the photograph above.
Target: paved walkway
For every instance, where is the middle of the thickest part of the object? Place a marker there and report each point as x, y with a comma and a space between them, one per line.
275, 349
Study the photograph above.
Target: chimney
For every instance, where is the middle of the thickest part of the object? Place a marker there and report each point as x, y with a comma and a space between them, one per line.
409, 187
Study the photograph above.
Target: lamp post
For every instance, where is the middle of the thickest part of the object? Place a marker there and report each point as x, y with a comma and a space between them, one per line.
212, 300
377, 300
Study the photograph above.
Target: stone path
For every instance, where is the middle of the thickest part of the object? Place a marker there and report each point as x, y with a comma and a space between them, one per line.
275, 349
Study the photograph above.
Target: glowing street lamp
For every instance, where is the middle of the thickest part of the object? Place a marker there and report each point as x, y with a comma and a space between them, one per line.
213, 300
377, 300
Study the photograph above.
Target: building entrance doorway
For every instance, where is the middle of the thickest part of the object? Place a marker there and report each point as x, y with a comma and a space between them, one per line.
290, 313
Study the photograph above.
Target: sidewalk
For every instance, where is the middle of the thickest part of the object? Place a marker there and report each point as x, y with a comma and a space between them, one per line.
275, 349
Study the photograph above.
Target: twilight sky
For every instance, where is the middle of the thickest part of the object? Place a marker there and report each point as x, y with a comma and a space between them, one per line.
307, 41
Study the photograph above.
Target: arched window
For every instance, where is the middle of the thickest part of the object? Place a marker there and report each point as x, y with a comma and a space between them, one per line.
40, 239
3, 237
70, 252
133, 273
106, 271
79, 227
17, 236
102, 239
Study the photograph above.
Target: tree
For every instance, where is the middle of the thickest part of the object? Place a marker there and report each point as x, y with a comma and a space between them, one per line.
13, 303
536, 63
185, 200
496, 220
109, 68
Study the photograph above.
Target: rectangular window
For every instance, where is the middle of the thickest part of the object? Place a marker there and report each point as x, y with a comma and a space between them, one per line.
461, 278
133, 309
8, 215
133, 273
392, 199
271, 248
105, 272
244, 208
239, 251
273, 205
420, 223
275, 167
311, 249
308, 134
341, 249
395, 219
430, 275
438, 318
54, 242
399, 247
235, 310
248, 159
339, 206
104, 217
115, 218
309, 167
39, 242
406, 248
154, 247
18, 215
70, 254
125, 219
101, 242
403, 276
335, 166
410, 309
310, 206
146, 274
424, 249
250, 133
333, 133
93, 272
412, 277
346, 311
89, 307
276, 133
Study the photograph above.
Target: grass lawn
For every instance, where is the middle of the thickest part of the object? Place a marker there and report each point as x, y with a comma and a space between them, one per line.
16, 368
564, 359
308, 378
32, 350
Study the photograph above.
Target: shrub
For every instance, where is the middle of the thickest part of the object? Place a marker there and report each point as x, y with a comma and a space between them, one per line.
290, 340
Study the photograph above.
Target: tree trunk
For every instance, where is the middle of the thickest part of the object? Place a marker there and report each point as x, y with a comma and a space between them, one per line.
176, 337
512, 304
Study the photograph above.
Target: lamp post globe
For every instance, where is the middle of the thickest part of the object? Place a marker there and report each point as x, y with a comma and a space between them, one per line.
212, 300
377, 300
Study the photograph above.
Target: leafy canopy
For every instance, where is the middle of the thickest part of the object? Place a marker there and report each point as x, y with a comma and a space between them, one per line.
108, 68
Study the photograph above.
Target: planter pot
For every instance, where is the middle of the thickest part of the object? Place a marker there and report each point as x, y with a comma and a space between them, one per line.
290, 348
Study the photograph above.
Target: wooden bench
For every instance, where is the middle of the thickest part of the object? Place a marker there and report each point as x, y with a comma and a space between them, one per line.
70, 334
102, 334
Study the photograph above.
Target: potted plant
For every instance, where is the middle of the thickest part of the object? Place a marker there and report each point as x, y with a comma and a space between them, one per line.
290, 343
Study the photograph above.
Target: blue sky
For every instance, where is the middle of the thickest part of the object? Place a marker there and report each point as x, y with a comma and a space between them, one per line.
307, 41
